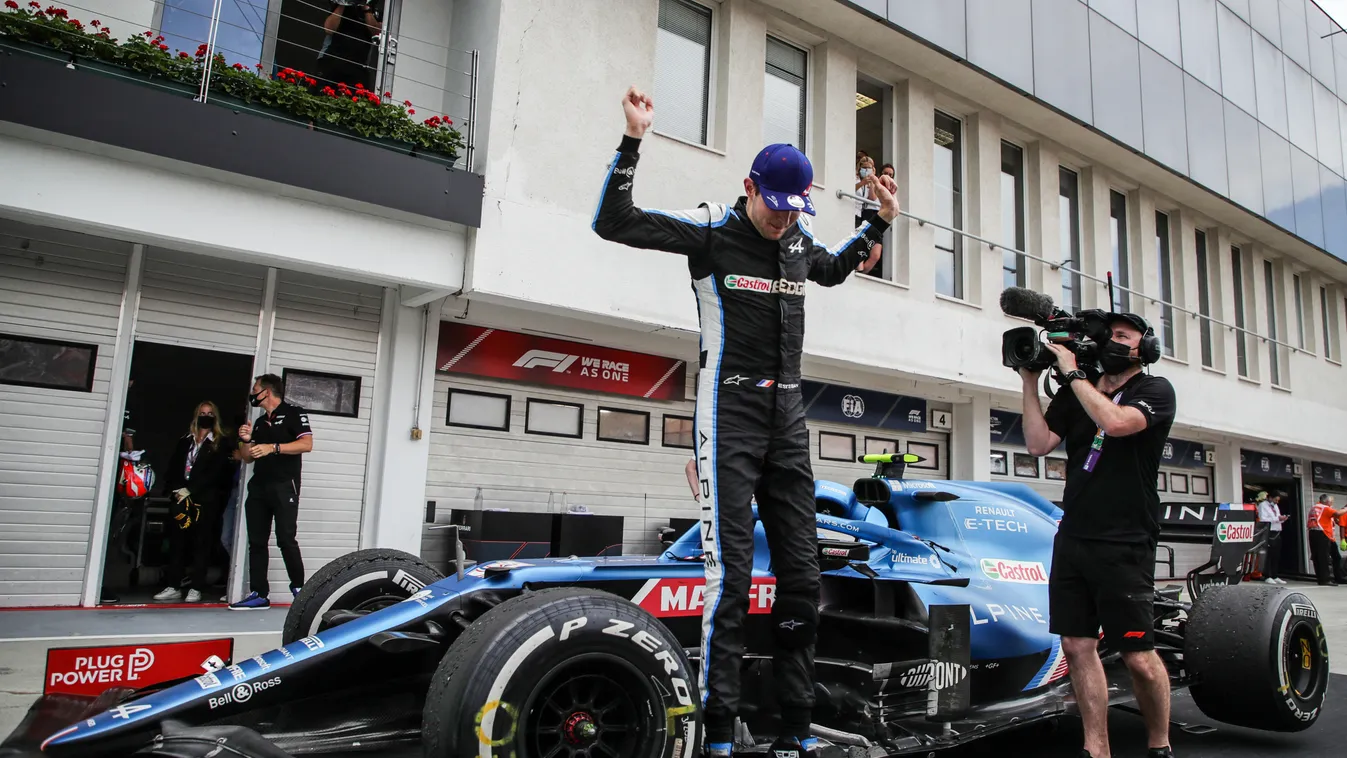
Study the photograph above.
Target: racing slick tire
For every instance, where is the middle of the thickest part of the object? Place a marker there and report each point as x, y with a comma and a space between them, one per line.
571, 668
365, 580
1258, 656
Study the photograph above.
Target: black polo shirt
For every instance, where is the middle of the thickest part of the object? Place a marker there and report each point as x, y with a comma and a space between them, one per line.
1117, 501
285, 424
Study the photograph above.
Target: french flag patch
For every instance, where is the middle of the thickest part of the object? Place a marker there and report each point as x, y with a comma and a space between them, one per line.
766, 382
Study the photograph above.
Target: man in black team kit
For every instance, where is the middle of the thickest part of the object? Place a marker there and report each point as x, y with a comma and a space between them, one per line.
1103, 559
749, 263
274, 443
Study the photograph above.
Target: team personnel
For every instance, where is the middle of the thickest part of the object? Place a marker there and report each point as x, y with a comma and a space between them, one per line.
1103, 561
274, 444
748, 264
1323, 548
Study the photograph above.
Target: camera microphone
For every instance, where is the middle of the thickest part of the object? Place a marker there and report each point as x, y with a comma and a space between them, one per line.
1025, 303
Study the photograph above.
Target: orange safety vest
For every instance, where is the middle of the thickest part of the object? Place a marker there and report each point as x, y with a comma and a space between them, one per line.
1321, 518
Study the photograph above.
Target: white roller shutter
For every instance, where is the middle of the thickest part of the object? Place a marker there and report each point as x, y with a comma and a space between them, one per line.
202, 302
1051, 489
55, 285
329, 326
846, 473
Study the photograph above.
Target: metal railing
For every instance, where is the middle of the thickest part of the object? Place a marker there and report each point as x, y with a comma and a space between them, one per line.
1061, 265
257, 39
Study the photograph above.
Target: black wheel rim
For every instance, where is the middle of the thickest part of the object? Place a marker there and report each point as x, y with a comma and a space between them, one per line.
590, 707
367, 605
1303, 662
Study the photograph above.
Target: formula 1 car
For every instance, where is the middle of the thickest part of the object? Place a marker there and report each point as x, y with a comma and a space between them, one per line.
933, 633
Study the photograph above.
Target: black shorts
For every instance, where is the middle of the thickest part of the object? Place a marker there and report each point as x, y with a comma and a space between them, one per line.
1110, 584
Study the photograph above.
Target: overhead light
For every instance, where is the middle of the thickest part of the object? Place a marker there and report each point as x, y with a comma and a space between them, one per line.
863, 101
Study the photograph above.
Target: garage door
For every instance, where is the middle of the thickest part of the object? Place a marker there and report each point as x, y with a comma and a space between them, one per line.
201, 302
66, 288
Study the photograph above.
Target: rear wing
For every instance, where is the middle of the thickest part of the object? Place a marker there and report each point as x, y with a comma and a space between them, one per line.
1237, 548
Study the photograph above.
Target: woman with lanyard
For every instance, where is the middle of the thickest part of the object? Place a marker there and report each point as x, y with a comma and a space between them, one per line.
197, 485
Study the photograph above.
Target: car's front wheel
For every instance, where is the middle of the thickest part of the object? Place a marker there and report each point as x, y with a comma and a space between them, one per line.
563, 672
366, 580
1259, 657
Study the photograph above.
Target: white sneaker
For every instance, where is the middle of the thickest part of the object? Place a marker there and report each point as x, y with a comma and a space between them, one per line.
1281, 581
193, 596
168, 595
1269, 580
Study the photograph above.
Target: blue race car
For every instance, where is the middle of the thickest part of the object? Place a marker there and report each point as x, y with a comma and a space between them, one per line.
933, 633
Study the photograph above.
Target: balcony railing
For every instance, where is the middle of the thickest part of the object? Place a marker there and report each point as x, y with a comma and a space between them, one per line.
283, 61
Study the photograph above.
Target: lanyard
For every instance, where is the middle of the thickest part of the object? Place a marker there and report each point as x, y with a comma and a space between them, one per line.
1097, 446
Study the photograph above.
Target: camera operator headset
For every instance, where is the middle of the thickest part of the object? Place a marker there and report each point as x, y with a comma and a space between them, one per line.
1114, 419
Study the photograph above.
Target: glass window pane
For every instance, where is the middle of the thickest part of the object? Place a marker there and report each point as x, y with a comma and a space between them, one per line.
624, 426
186, 26
1166, 282
1278, 190
53, 364
1265, 18
1335, 212
1236, 60
1012, 213
677, 431
1121, 12
783, 110
1321, 49
1295, 37
1117, 231
836, 447
1241, 338
948, 165
1206, 136
1270, 285
1201, 49
1158, 26
1204, 297
322, 393
1240, 7
1300, 107
1116, 75
1270, 81
1342, 124
1328, 136
478, 410
555, 419
1309, 206
1162, 111
941, 23
1299, 292
1000, 40
1246, 172
877, 446
1059, 77
683, 68
1068, 218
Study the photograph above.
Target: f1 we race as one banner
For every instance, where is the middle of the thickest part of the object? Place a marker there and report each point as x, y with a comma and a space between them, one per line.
500, 354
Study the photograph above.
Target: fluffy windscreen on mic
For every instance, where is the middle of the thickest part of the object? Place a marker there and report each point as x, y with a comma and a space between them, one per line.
1024, 303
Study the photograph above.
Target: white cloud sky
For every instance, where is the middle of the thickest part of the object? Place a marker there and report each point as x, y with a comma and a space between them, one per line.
1336, 10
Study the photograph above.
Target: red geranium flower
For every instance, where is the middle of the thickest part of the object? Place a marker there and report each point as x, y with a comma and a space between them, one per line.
238, 66
407, 103
149, 34
355, 99
11, 4
411, 111
35, 4
164, 48
95, 23
329, 92
181, 54
388, 94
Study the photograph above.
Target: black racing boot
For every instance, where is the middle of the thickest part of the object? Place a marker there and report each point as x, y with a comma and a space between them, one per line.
1160, 752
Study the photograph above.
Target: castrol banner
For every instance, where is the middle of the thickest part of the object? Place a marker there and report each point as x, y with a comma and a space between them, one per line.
92, 670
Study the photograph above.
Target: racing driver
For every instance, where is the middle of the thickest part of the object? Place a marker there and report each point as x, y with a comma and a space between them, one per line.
748, 264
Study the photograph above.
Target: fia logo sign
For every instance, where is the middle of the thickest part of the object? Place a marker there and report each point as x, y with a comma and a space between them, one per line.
853, 406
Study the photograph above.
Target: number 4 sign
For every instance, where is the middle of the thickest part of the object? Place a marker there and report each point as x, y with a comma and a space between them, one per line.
941, 420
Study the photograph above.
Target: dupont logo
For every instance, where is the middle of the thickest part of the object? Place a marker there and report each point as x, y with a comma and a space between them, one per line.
1229, 531
765, 286
1020, 572
933, 675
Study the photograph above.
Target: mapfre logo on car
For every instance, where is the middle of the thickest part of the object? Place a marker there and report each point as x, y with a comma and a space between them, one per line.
1230, 531
668, 598
1019, 572
765, 286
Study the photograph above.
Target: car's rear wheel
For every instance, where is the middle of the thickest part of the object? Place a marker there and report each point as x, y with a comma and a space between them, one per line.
366, 580
563, 672
1259, 657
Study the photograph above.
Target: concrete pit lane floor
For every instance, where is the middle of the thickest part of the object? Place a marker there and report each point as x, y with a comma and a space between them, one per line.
25, 636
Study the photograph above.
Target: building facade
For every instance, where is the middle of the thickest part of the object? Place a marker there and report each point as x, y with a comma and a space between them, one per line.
468, 341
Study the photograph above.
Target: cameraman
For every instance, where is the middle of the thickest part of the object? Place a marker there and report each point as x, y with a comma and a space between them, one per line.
1103, 563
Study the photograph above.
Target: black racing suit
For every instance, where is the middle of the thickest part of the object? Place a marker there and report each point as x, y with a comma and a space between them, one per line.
750, 430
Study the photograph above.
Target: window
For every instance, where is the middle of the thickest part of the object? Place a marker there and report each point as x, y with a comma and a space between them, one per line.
1300, 310
1328, 317
1178, 483
1166, 283
784, 94
1161, 483
478, 410
948, 205
1241, 344
52, 364
878, 446
185, 25
930, 452
683, 69
553, 419
1026, 466
632, 427
836, 447
1068, 218
999, 462
678, 431
1055, 469
1117, 230
1012, 213
322, 394
1204, 298
1270, 280
1200, 485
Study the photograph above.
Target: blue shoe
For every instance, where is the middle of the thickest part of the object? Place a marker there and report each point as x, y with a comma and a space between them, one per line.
717, 750
254, 602
295, 591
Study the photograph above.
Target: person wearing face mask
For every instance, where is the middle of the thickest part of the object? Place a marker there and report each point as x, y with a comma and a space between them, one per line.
197, 485
273, 444
1103, 561
749, 263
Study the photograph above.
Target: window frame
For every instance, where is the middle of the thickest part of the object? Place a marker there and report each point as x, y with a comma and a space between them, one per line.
1005, 462
897, 443
1072, 256
528, 416
709, 106
1018, 238
1121, 263
285, 382
959, 202
1274, 359
1165, 264
88, 377
851, 437
1298, 284
664, 431
449, 408
598, 425
1015, 466
1327, 316
806, 90
1203, 256
1241, 341
934, 459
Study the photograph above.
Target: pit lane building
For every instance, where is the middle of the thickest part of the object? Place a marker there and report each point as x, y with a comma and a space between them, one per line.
464, 341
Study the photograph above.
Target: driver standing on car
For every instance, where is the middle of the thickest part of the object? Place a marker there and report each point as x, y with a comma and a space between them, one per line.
1103, 560
749, 263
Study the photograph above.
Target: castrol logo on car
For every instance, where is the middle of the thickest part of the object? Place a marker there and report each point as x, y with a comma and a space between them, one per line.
1020, 572
1231, 531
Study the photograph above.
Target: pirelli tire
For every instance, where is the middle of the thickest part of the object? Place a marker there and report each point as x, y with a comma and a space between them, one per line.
1258, 656
564, 671
365, 580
